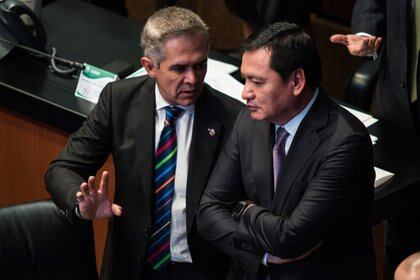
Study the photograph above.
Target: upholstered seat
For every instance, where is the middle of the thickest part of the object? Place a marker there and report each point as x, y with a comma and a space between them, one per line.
36, 242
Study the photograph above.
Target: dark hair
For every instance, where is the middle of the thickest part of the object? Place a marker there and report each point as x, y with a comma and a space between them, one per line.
291, 48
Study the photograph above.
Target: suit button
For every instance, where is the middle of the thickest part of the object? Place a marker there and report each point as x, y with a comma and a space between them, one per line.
403, 86
146, 229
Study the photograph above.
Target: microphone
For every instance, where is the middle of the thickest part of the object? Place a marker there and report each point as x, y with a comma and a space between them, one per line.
53, 58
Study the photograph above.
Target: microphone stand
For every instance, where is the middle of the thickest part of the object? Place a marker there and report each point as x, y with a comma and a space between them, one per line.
74, 65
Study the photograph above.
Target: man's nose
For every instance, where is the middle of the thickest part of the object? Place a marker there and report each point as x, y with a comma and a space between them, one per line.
190, 76
247, 92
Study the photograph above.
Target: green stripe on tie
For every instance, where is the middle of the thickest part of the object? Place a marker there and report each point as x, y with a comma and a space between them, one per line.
156, 266
166, 158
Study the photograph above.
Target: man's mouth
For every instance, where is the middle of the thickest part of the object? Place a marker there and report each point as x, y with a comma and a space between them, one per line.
250, 106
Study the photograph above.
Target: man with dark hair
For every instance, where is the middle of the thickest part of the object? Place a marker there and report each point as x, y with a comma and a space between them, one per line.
291, 194
165, 132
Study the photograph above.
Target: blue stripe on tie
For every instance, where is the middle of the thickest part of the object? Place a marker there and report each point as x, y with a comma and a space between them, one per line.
157, 241
162, 217
167, 133
169, 168
164, 196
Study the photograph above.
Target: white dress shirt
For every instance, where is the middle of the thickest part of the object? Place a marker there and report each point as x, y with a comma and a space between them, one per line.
184, 126
292, 126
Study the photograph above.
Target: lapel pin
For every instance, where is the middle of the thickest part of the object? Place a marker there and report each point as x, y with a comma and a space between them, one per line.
211, 131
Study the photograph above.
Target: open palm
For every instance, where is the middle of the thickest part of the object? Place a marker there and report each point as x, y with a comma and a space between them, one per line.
94, 202
358, 45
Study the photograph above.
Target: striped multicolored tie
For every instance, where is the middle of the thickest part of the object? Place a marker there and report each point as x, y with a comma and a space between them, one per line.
158, 250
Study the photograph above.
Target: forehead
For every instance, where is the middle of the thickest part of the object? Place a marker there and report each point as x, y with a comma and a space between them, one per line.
256, 62
256, 59
188, 48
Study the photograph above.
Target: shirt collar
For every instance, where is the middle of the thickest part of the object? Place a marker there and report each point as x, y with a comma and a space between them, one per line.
292, 126
161, 103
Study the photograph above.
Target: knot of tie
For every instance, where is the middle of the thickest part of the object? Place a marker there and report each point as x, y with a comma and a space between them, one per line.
172, 113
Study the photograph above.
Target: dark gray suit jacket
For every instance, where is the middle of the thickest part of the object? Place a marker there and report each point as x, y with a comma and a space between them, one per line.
393, 21
123, 123
324, 195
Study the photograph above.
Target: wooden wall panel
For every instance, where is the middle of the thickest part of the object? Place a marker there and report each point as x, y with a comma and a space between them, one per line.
26, 149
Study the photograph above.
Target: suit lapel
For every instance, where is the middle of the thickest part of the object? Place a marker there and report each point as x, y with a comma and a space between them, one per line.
205, 138
262, 159
303, 146
144, 136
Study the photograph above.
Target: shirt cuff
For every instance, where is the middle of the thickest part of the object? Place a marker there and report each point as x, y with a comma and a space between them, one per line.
374, 55
264, 260
77, 212
363, 34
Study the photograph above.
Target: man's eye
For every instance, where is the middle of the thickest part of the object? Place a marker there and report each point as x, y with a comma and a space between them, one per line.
179, 69
203, 64
200, 66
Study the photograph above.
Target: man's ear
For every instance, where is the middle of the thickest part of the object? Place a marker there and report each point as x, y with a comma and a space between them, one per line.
299, 80
149, 66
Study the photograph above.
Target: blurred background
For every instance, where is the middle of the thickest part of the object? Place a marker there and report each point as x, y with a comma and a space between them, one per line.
228, 27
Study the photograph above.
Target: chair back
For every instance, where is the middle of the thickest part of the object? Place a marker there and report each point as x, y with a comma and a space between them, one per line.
36, 242
361, 85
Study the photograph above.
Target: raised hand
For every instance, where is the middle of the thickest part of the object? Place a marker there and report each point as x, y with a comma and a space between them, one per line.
358, 45
94, 202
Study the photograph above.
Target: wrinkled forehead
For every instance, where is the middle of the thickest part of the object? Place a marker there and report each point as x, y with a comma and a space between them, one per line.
185, 48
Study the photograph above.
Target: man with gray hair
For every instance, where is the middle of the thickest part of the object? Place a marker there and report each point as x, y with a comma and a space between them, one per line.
165, 131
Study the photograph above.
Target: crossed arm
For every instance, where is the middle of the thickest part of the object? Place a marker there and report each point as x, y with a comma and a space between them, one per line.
326, 201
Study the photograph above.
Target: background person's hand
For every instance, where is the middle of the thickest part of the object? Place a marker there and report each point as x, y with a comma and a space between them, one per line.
358, 45
94, 202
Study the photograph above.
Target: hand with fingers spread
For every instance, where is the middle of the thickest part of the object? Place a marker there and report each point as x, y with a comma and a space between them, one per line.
358, 45
94, 202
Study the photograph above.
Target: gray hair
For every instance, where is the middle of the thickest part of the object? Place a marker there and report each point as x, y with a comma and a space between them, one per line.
168, 23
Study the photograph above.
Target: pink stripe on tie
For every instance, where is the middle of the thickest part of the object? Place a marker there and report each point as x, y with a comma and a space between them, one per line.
167, 144
158, 251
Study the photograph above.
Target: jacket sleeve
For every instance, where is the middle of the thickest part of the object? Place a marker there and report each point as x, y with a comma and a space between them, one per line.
224, 189
344, 179
85, 152
369, 16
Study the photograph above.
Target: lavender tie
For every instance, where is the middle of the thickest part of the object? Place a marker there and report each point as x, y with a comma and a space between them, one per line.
279, 153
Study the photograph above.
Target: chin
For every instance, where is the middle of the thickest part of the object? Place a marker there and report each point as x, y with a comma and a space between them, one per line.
258, 117
187, 102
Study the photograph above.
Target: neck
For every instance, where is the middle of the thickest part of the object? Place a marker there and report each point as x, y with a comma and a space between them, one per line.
300, 103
